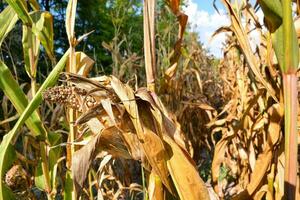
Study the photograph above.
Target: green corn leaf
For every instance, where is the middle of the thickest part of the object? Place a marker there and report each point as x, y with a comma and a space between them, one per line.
8, 19
5, 146
68, 187
40, 32
54, 154
31, 50
273, 18
281, 37
17, 97
20, 8
34, 5
41, 23
272, 13
290, 45
43, 29
277, 42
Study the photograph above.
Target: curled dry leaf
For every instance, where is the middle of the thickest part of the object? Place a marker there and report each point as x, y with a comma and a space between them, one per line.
129, 125
151, 143
264, 159
186, 178
108, 140
242, 37
83, 64
182, 19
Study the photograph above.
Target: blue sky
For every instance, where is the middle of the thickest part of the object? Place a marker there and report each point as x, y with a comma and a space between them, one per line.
207, 5
204, 19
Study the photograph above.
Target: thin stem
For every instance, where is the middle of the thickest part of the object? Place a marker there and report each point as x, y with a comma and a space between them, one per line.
144, 184
45, 168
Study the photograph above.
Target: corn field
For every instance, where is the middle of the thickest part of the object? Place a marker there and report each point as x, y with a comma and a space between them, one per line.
165, 120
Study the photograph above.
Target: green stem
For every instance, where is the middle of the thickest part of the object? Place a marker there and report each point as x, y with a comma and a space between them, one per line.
43, 147
45, 168
144, 184
291, 146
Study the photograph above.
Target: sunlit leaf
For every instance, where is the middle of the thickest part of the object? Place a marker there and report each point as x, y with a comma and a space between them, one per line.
70, 20
246, 48
186, 178
35, 102
17, 97
83, 64
20, 8
31, 49
34, 5
8, 19
43, 29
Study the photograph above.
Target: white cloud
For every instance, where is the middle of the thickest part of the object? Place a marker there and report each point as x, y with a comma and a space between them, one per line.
206, 24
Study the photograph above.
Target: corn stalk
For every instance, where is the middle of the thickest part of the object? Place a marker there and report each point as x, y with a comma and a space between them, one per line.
280, 23
70, 26
290, 91
155, 188
149, 42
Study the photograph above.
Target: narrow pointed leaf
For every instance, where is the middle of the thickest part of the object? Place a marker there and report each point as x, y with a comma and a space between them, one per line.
272, 13
70, 20
33, 105
43, 29
20, 8
186, 178
31, 49
18, 98
8, 19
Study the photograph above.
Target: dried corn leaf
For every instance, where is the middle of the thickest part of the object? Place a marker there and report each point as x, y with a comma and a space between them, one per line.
108, 140
186, 178
263, 192
70, 21
149, 42
159, 113
142, 130
155, 188
151, 143
182, 19
237, 28
219, 155
83, 64
264, 159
